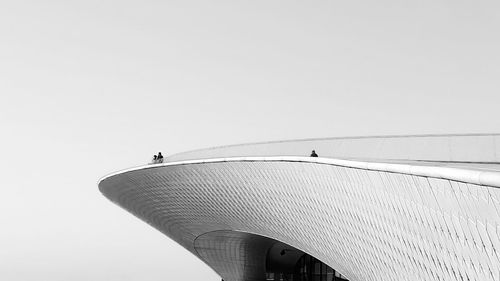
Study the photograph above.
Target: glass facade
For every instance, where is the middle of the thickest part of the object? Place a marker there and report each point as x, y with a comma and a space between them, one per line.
307, 269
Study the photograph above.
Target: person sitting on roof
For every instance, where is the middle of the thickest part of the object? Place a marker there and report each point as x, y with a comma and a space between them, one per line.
155, 159
313, 154
160, 157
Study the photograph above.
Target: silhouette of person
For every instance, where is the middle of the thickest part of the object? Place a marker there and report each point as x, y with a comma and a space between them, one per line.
313, 154
160, 157
155, 158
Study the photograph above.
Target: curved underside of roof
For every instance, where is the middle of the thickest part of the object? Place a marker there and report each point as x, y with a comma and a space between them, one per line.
368, 220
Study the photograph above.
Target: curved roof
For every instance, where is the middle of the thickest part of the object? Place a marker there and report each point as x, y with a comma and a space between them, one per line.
380, 208
477, 148
368, 224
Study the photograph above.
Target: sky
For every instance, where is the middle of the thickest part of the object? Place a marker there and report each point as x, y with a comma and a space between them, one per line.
91, 87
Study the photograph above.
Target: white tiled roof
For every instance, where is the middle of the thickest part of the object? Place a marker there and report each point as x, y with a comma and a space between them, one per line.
368, 220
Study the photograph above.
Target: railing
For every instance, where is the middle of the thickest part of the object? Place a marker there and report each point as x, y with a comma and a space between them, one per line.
156, 161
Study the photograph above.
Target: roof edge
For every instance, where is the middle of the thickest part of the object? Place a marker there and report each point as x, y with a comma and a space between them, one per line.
473, 176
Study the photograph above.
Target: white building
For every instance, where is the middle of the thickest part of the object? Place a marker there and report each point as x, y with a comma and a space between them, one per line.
370, 208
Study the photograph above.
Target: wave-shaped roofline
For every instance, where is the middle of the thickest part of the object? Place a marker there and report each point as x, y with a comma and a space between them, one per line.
467, 148
349, 137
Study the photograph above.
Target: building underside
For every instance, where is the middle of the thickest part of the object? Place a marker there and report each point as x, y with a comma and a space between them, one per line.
380, 208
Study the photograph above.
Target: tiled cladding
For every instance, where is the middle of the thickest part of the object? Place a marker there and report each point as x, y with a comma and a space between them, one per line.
234, 255
368, 225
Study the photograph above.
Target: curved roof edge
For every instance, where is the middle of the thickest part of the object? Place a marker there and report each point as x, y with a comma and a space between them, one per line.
475, 148
473, 175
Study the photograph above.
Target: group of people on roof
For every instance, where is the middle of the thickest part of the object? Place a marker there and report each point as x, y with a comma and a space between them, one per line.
157, 158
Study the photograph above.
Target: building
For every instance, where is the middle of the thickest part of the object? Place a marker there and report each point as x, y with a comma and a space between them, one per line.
368, 208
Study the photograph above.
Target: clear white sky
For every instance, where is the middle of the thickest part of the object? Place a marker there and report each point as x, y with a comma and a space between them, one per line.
90, 87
